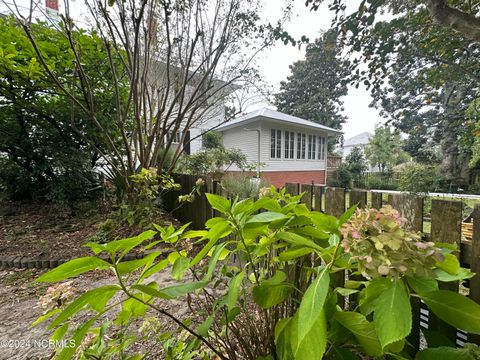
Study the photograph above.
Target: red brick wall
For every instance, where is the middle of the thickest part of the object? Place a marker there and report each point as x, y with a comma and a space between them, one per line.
279, 178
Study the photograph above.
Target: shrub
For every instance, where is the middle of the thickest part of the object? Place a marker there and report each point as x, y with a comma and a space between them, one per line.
341, 177
243, 185
265, 284
418, 178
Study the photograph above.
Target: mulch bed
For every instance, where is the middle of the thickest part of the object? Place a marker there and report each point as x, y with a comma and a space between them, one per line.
45, 235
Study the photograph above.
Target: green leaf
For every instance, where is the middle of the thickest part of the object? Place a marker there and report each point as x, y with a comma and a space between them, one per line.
179, 267
393, 314
455, 309
59, 333
282, 339
437, 339
97, 298
74, 267
422, 285
313, 343
171, 292
311, 309
46, 316
219, 203
267, 217
363, 330
219, 250
125, 245
125, 267
234, 290
343, 354
203, 328
294, 253
272, 291
150, 270
347, 215
77, 338
218, 231
444, 353
450, 264
462, 274
369, 295
298, 240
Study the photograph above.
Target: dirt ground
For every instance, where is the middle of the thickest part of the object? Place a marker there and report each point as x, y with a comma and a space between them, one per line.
53, 232
34, 230
19, 295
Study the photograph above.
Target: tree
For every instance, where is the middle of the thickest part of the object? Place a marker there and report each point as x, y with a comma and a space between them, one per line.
178, 61
42, 150
423, 75
315, 87
384, 149
356, 164
457, 15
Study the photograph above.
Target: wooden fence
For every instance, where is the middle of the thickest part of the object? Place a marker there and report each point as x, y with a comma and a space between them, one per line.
446, 227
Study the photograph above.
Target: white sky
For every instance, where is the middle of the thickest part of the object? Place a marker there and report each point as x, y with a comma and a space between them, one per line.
274, 62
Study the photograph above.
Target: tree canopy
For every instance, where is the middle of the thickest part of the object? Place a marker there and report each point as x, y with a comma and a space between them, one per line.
316, 85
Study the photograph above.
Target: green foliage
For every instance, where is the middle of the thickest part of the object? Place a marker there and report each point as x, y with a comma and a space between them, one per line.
43, 152
212, 140
356, 164
212, 161
342, 177
418, 178
273, 268
243, 185
384, 149
314, 89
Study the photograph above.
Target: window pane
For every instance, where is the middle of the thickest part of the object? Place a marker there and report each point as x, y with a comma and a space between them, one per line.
272, 143
279, 144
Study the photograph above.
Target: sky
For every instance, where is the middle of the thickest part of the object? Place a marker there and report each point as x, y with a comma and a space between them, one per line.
274, 62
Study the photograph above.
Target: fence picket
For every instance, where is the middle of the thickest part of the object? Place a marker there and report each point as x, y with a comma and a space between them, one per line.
446, 228
474, 283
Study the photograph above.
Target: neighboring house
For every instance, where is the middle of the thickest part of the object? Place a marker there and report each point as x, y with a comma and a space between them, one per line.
290, 149
361, 140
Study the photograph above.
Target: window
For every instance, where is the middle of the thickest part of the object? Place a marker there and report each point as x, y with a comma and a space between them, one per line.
312, 145
177, 136
275, 144
301, 146
289, 145
321, 148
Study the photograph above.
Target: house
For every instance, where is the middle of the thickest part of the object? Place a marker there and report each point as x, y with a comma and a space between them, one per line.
361, 141
284, 147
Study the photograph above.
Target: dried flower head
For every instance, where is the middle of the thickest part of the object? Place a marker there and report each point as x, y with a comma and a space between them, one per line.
57, 296
379, 245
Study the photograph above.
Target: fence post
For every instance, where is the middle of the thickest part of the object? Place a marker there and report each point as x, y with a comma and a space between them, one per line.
335, 206
334, 201
358, 197
411, 208
376, 199
446, 228
474, 283
308, 196
317, 195
292, 189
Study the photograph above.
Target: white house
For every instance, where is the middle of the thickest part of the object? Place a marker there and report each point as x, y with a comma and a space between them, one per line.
290, 149
361, 141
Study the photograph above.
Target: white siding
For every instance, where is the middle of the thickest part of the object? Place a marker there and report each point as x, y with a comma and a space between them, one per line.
247, 142
288, 164
212, 118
